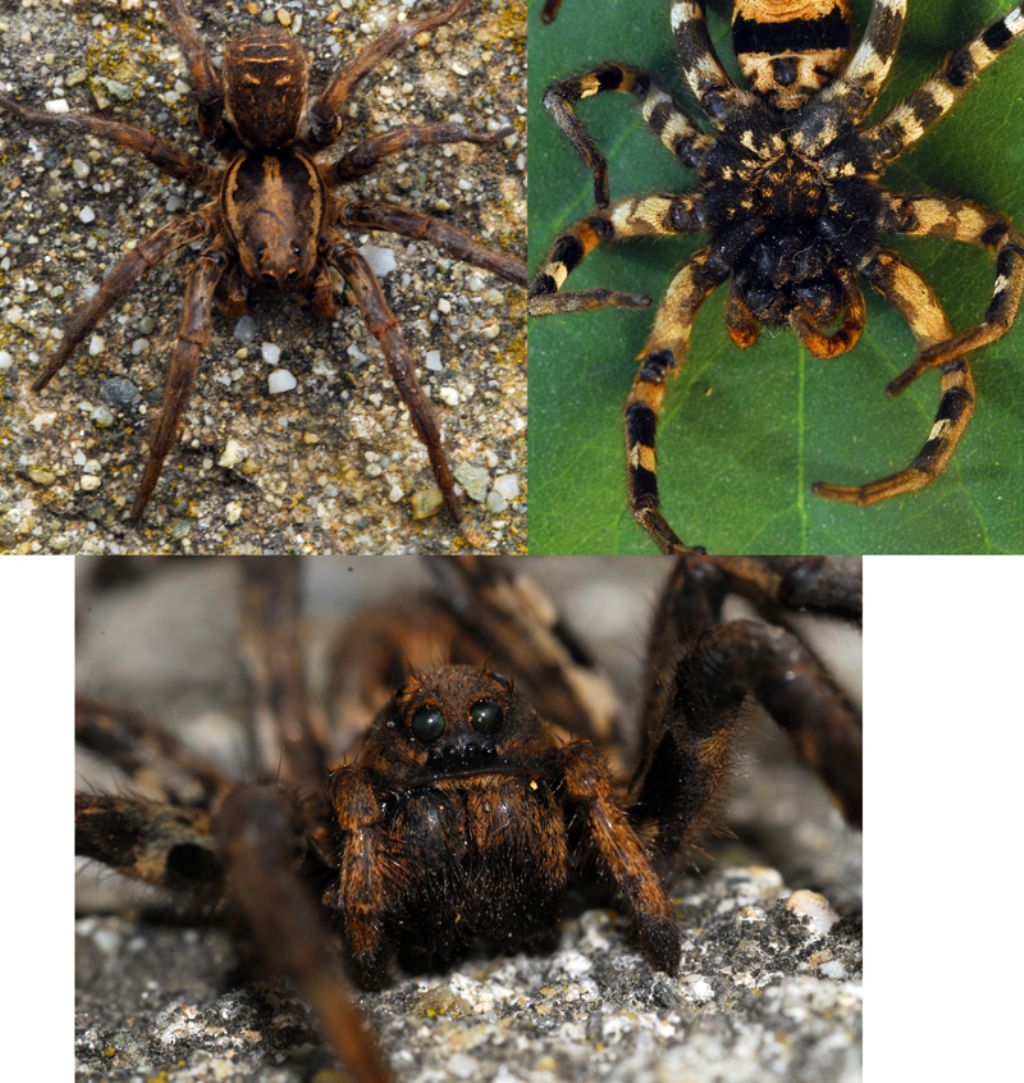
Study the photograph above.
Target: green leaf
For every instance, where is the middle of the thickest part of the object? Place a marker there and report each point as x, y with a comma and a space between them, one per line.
746, 432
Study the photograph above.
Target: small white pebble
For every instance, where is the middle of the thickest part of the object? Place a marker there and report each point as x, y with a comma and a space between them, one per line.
381, 260
58, 105
463, 1066
507, 485
80, 168
140, 345
449, 396
279, 381
444, 305
89, 482
5, 360
271, 353
833, 969
87, 215
821, 917
496, 503
475, 283
357, 355
433, 360
245, 329
395, 494
96, 345
232, 455
233, 512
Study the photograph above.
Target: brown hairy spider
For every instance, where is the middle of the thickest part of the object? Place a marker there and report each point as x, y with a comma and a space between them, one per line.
793, 210
275, 220
481, 789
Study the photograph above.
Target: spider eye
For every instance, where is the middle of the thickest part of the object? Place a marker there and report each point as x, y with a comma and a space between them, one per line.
296, 250
505, 682
428, 724
487, 716
261, 251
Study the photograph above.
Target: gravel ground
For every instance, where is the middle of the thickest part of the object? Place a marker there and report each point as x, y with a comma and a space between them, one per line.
770, 983
333, 464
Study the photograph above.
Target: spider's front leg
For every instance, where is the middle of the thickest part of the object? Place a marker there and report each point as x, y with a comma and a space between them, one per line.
378, 214
381, 323
193, 335
675, 129
325, 112
908, 291
958, 220
258, 829
639, 216
620, 852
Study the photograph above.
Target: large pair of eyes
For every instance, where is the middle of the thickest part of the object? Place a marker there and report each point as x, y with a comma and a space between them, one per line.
428, 723
261, 251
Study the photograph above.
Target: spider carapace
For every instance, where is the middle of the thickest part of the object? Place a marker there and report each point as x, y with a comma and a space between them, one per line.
792, 209
275, 219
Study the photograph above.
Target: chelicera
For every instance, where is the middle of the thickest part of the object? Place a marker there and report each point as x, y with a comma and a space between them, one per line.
793, 211
276, 217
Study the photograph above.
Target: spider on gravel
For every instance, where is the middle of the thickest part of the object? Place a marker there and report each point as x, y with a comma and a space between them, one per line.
793, 210
275, 220
489, 770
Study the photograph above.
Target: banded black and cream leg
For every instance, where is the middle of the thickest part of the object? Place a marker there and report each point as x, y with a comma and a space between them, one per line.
663, 354
957, 220
640, 216
908, 291
927, 105
666, 118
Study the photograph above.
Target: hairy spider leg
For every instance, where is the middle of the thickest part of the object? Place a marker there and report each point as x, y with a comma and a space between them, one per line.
550, 11
380, 322
158, 843
667, 119
391, 218
325, 113
958, 220
663, 352
907, 123
193, 335
621, 853
206, 82
843, 338
289, 737
149, 252
908, 291
167, 158
365, 155
259, 832
148, 754
638, 216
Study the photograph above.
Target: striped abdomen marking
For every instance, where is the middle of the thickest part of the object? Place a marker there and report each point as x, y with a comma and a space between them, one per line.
789, 49
266, 79
273, 207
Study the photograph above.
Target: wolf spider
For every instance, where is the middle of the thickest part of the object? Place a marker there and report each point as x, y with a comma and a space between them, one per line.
275, 221
468, 805
793, 210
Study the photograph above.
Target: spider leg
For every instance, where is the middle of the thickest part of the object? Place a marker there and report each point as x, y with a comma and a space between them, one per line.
193, 335
845, 338
731, 109
150, 251
621, 853
163, 844
638, 216
957, 220
663, 352
377, 214
697, 711
927, 105
147, 753
363, 157
849, 98
675, 129
908, 291
286, 729
165, 156
550, 11
324, 114
258, 830
206, 84
380, 322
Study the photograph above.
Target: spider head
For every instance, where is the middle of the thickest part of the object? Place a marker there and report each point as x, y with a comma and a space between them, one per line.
789, 51
266, 79
455, 722
272, 204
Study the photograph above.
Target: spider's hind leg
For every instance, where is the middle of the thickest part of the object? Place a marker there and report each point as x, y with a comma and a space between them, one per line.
908, 291
206, 83
958, 220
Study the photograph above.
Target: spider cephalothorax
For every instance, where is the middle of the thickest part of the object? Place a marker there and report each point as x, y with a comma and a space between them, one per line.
470, 804
792, 209
275, 219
